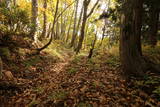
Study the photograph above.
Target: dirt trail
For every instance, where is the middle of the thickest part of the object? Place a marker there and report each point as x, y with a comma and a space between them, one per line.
72, 83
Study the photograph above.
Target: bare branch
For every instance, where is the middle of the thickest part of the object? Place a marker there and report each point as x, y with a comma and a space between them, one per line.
65, 10
90, 13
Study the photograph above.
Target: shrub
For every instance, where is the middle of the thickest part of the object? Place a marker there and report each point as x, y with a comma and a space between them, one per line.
13, 19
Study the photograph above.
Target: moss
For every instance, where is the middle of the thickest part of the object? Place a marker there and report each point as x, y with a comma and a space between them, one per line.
72, 70
58, 96
5, 52
84, 104
33, 103
32, 61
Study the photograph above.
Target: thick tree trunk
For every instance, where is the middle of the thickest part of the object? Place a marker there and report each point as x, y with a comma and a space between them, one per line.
1, 67
130, 43
154, 26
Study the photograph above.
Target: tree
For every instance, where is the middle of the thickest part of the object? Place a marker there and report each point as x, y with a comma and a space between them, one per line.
34, 20
56, 17
75, 24
69, 28
14, 2
1, 67
85, 17
154, 18
44, 19
92, 46
103, 34
130, 42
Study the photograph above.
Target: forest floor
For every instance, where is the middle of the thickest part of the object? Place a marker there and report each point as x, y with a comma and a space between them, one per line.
72, 81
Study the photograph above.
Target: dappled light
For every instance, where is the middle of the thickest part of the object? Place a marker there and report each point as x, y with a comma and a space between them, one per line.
79, 53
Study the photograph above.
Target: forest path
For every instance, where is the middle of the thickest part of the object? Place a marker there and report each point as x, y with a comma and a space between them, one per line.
75, 81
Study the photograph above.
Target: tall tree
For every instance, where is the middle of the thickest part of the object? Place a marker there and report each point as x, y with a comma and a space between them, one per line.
44, 19
130, 42
1, 67
103, 34
14, 2
55, 18
34, 20
154, 18
8, 3
92, 46
52, 32
69, 28
75, 24
78, 26
85, 17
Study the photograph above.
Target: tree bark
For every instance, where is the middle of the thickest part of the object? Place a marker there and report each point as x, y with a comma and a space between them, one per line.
154, 14
44, 20
78, 26
55, 18
8, 3
130, 42
34, 20
69, 28
75, 24
56, 37
81, 38
85, 17
92, 46
1, 67
103, 34
14, 2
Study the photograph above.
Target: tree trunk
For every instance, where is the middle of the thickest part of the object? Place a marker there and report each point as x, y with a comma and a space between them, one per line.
14, 2
92, 47
34, 19
1, 67
81, 38
56, 37
153, 26
8, 3
44, 20
85, 17
78, 26
75, 24
69, 28
103, 34
63, 23
84, 44
55, 18
130, 43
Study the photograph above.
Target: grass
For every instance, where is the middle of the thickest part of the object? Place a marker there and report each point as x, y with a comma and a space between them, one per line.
72, 70
32, 61
58, 96
84, 104
56, 49
38, 90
